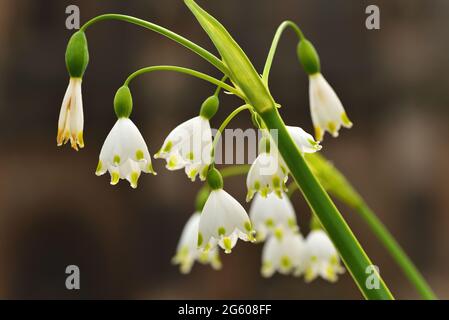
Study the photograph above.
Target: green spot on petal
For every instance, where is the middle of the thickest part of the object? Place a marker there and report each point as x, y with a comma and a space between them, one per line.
192, 174
278, 234
116, 160
248, 226
291, 223
204, 172
167, 146
190, 156
172, 162
269, 223
332, 127
276, 182
99, 167
200, 239
139, 155
345, 119
221, 231
134, 178
318, 133
227, 243
286, 263
115, 177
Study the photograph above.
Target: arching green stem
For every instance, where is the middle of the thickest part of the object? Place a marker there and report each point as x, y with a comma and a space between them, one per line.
277, 37
217, 91
188, 71
165, 32
339, 187
224, 125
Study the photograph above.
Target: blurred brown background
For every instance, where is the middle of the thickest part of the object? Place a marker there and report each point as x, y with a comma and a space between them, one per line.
54, 211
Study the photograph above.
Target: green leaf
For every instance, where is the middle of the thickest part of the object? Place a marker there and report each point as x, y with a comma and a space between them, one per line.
241, 70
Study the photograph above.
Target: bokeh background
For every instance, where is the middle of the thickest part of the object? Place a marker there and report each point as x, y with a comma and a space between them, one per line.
54, 211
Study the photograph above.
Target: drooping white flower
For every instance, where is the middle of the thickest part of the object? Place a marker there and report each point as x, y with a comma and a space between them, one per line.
304, 140
124, 153
272, 216
268, 173
187, 252
223, 221
71, 117
189, 146
326, 108
321, 257
285, 255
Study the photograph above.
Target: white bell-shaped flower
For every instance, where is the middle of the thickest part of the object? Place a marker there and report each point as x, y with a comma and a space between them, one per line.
124, 153
285, 255
321, 257
304, 140
223, 221
326, 108
268, 173
71, 117
272, 216
189, 146
187, 252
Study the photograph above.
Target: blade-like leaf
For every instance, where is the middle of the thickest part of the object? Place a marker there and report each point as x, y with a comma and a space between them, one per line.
241, 70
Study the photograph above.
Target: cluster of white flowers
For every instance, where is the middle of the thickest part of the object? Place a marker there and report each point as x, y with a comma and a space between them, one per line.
285, 250
221, 220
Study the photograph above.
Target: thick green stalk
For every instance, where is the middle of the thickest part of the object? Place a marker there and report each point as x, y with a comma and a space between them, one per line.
188, 71
346, 243
243, 74
165, 32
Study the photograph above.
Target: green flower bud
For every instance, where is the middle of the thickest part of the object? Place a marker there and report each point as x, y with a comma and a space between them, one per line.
201, 199
123, 102
209, 107
214, 179
77, 55
308, 57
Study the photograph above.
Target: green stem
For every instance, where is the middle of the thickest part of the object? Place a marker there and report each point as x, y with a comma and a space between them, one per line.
188, 71
224, 125
165, 32
350, 250
395, 250
217, 91
277, 37
338, 186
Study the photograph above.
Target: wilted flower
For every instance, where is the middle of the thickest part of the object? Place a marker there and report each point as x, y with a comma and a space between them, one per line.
321, 257
187, 252
285, 255
71, 117
272, 215
124, 153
